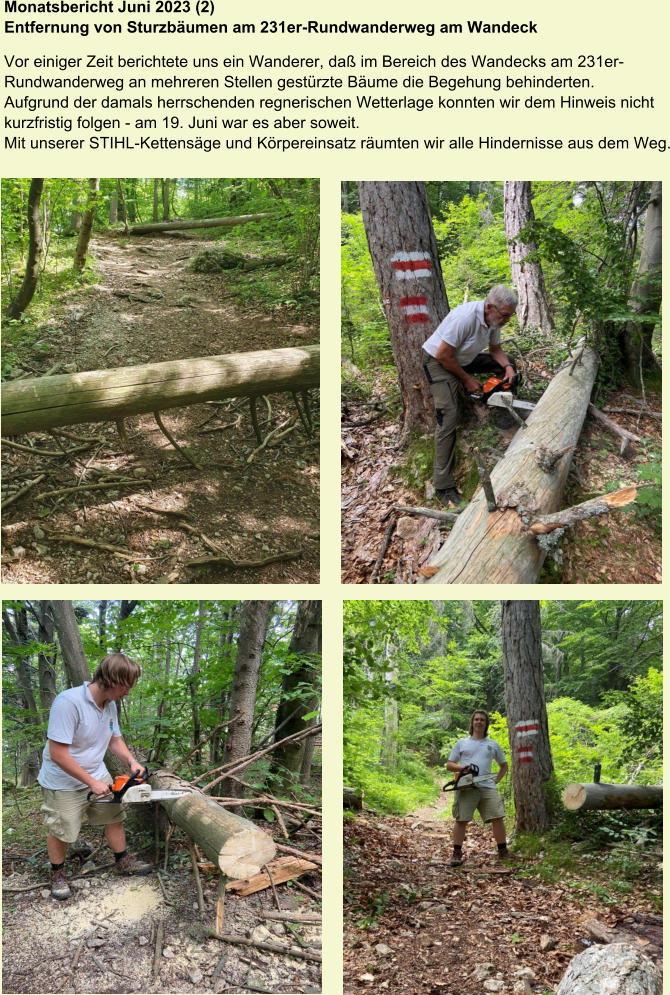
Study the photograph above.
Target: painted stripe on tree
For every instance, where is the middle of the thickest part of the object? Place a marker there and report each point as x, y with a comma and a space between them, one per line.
415, 308
411, 265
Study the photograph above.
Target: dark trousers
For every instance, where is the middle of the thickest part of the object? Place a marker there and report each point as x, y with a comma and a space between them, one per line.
445, 388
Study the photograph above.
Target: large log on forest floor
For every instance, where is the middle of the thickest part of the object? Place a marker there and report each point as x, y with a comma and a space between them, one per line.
234, 845
182, 224
102, 395
584, 796
496, 547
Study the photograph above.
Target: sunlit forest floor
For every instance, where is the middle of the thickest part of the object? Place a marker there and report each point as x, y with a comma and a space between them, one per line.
413, 924
620, 548
147, 305
113, 921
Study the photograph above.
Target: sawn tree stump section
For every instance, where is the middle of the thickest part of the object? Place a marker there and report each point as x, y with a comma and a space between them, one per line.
497, 547
585, 796
234, 845
102, 395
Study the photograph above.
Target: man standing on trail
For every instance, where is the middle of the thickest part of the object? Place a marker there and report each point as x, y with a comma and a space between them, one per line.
83, 723
478, 749
452, 354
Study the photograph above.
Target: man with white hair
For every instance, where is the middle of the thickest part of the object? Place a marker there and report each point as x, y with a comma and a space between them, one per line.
452, 354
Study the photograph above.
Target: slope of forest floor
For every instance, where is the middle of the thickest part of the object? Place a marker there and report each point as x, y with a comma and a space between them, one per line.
148, 305
620, 548
103, 939
415, 925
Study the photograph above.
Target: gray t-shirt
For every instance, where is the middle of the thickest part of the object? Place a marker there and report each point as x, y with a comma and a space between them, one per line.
481, 752
75, 719
465, 329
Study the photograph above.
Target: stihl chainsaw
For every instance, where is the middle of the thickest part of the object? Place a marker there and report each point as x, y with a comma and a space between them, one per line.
131, 788
495, 384
466, 778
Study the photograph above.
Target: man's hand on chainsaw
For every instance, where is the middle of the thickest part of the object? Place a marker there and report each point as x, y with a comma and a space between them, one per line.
473, 386
99, 788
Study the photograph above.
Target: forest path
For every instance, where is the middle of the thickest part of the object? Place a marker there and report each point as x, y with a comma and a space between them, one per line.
413, 924
148, 305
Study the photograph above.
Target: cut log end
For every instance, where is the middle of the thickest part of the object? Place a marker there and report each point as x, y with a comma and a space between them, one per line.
242, 854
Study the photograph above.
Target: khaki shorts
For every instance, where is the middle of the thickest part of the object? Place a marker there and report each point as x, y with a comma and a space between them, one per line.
64, 811
486, 800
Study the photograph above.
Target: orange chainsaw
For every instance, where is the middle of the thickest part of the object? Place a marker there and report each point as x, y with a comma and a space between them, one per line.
133, 787
494, 384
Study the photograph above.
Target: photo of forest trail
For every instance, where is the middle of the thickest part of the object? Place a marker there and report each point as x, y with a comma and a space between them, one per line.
573, 692
226, 711
551, 477
220, 487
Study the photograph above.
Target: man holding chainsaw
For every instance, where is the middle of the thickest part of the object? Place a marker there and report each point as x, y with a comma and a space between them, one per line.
452, 354
476, 752
83, 724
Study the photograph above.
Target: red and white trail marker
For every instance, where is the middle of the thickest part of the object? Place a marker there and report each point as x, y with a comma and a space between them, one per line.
415, 308
411, 265
528, 727
524, 754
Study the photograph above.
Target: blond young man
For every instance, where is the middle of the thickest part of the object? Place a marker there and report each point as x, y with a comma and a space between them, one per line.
83, 724
479, 749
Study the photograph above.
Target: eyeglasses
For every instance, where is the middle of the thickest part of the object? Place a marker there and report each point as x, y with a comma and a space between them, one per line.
505, 315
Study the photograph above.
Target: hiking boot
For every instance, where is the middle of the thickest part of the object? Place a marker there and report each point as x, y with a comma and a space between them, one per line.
507, 855
449, 497
60, 889
131, 865
457, 860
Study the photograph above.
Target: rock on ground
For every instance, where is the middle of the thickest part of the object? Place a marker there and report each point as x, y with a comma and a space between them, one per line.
615, 969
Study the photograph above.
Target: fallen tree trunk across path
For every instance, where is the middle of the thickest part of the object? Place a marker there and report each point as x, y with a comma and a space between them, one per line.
102, 395
497, 547
184, 223
234, 845
585, 796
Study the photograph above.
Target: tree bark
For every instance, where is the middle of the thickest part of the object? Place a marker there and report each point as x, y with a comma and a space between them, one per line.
73, 398
496, 547
27, 289
527, 724
16, 628
47, 657
72, 650
646, 294
404, 254
193, 678
255, 621
86, 225
154, 216
617, 969
533, 310
237, 847
165, 184
587, 796
184, 223
298, 694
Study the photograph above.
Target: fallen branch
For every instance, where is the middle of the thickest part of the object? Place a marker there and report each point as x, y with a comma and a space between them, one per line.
388, 532
122, 554
441, 516
579, 512
634, 411
92, 487
292, 554
305, 917
627, 438
275, 435
308, 891
231, 768
171, 439
273, 948
158, 949
315, 858
202, 742
34, 451
24, 490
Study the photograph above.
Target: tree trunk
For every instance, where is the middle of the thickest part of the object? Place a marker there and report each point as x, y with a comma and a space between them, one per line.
388, 754
298, 694
496, 547
193, 679
86, 225
113, 210
527, 724
255, 621
527, 277
102, 626
47, 657
235, 845
404, 254
646, 294
154, 216
616, 969
74, 659
73, 398
18, 631
165, 184
585, 796
27, 289
184, 223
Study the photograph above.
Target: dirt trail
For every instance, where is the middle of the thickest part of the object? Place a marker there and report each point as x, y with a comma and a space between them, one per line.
115, 921
149, 306
413, 924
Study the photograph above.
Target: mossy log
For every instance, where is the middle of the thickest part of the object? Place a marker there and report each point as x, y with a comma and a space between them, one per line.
183, 224
586, 796
219, 258
496, 547
236, 846
102, 395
